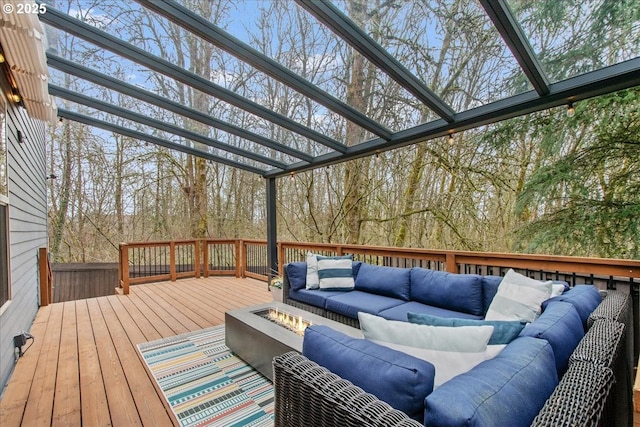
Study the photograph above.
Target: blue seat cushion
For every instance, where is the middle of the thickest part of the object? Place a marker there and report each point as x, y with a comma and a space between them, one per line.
399, 312
560, 325
314, 297
457, 292
397, 378
388, 281
585, 298
350, 303
508, 390
297, 274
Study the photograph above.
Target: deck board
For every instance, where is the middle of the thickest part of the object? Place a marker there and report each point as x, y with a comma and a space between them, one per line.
94, 406
40, 402
66, 407
83, 368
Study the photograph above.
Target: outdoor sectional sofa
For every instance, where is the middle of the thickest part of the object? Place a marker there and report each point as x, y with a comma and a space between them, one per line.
560, 370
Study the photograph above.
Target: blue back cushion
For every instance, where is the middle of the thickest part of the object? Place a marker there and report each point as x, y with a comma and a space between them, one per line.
508, 390
560, 325
297, 275
388, 281
585, 298
401, 380
489, 290
458, 292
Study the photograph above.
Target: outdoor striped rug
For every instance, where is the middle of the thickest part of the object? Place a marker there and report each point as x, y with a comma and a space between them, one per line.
207, 385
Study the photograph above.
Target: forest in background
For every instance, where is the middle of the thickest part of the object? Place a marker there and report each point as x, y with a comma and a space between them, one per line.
542, 183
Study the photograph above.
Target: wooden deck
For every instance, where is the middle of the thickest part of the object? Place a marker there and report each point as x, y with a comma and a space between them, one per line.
83, 368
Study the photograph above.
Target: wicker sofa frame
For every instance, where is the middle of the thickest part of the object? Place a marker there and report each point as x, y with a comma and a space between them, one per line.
595, 390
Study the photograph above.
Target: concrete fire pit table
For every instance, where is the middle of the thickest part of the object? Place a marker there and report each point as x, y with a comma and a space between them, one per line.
257, 339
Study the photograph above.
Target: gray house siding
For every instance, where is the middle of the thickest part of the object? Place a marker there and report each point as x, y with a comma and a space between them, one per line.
27, 227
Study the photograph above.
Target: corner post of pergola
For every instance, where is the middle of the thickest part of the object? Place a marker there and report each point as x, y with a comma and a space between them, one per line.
272, 235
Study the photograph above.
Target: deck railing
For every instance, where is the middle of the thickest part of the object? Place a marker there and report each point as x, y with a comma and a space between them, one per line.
170, 260
605, 273
143, 262
157, 261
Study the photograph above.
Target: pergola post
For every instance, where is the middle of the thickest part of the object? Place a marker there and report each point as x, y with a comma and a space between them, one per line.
272, 235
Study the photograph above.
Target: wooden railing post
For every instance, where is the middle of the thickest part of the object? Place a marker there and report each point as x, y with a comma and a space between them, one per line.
242, 258
196, 257
123, 268
172, 260
450, 261
280, 259
46, 283
239, 261
205, 258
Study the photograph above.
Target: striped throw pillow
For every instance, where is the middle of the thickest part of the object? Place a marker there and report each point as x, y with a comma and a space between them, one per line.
336, 273
518, 298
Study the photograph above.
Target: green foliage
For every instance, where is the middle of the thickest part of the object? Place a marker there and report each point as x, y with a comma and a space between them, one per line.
587, 202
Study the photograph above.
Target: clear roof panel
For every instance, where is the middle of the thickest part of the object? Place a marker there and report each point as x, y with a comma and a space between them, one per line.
155, 35
571, 38
289, 35
129, 72
451, 46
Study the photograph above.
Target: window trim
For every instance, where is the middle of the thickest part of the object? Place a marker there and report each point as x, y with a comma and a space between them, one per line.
4, 203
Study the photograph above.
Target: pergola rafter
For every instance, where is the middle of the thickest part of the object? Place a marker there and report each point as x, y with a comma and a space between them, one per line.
353, 35
508, 27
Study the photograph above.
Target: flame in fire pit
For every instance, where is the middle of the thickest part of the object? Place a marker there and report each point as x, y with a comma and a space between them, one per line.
294, 323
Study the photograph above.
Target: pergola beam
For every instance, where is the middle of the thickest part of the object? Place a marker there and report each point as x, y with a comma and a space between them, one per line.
109, 82
502, 18
90, 121
105, 40
353, 35
215, 35
157, 124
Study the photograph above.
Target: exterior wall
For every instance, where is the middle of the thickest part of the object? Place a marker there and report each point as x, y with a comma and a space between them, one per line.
27, 226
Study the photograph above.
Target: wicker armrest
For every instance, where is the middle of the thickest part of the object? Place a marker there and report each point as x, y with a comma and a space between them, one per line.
601, 344
580, 398
615, 306
307, 394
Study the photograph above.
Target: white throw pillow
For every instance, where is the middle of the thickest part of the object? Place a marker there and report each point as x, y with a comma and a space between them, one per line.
556, 289
448, 338
452, 350
448, 364
336, 273
518, 298
313, 281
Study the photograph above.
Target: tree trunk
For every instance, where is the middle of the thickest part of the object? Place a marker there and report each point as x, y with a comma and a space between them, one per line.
355, 177
60, 219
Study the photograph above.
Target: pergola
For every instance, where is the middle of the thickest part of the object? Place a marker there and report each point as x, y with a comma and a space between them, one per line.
543, 93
